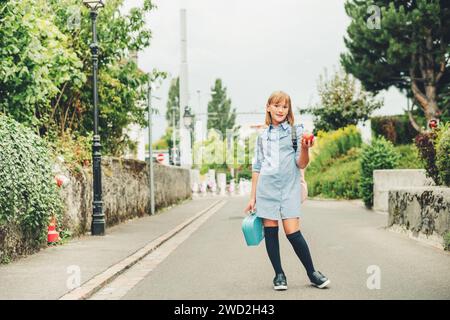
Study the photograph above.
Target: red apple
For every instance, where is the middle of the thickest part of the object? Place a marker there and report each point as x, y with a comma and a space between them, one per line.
308, 137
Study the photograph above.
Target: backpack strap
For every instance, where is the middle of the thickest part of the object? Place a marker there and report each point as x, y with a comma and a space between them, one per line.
260, 147
294, 137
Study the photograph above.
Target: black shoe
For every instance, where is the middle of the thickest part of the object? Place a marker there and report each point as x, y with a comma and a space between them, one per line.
280, 282
319, 280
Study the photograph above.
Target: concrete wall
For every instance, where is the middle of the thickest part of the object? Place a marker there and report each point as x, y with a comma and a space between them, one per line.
421, 210
385, 180
126, 192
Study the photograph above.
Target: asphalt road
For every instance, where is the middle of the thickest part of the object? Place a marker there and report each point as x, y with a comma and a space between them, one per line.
348, 243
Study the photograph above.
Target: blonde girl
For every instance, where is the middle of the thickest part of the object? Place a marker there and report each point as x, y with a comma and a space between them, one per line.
276, 191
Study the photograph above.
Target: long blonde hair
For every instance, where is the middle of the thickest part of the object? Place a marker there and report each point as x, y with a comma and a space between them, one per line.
277, 97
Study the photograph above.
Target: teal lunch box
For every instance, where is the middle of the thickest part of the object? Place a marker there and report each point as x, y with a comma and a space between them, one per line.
253, 229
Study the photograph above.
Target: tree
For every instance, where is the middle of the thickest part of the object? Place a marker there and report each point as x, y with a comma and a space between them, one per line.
173, 103
167, 138
122, 92
341, 103
410, 50
122, 85
36, 60
161, 144
46, 68
220, 115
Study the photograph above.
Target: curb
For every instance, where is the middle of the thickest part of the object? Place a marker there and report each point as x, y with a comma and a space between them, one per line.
433, 240
93, 285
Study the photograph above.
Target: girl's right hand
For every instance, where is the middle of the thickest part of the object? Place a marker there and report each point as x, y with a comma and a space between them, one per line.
250, 206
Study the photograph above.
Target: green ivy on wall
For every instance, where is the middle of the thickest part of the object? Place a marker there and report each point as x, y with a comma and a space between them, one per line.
28, 193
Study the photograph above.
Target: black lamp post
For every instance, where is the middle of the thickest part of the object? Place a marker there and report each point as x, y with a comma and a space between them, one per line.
98, 218
174, 141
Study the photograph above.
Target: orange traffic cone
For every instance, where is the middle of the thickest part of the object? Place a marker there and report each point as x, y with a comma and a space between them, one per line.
52, 235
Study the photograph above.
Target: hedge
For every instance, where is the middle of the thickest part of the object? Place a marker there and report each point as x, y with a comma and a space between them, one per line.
333, 144
443, 155
340, 180
396, 129
380, 154
28, 193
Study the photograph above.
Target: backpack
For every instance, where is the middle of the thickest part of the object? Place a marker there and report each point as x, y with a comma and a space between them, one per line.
303, 184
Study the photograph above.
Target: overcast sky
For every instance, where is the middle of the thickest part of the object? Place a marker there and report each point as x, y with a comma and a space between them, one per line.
254, 46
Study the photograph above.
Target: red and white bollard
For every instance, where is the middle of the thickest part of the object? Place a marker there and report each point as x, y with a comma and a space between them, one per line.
61, 180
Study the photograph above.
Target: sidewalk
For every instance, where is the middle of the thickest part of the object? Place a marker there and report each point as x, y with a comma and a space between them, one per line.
45, 274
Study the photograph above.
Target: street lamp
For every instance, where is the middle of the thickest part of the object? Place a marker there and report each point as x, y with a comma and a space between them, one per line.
187, 118
188, 121
98, 218
94, 4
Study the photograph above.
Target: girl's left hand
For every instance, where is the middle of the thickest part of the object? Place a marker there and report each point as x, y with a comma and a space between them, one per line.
307, 143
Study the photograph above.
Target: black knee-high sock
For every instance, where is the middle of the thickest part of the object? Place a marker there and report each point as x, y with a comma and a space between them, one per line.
273, 247
301, 249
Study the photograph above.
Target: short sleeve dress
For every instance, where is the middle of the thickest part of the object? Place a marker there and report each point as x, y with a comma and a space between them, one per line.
278, 188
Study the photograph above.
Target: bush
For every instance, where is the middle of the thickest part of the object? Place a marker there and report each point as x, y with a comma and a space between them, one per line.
333, 144
244, 174
409, 158
443, 155
447, 241
425, 143
339, 180
396, 129
76, 149
28, 193
380, 154
333, 171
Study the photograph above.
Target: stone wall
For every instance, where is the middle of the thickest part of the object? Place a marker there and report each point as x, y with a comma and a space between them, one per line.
385, 180
125, 195
125, 186
422, 211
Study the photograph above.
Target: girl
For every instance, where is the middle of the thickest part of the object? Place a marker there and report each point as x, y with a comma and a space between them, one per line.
276, 186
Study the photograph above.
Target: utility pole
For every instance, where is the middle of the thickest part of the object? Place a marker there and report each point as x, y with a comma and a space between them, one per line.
185, 141
151, 181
